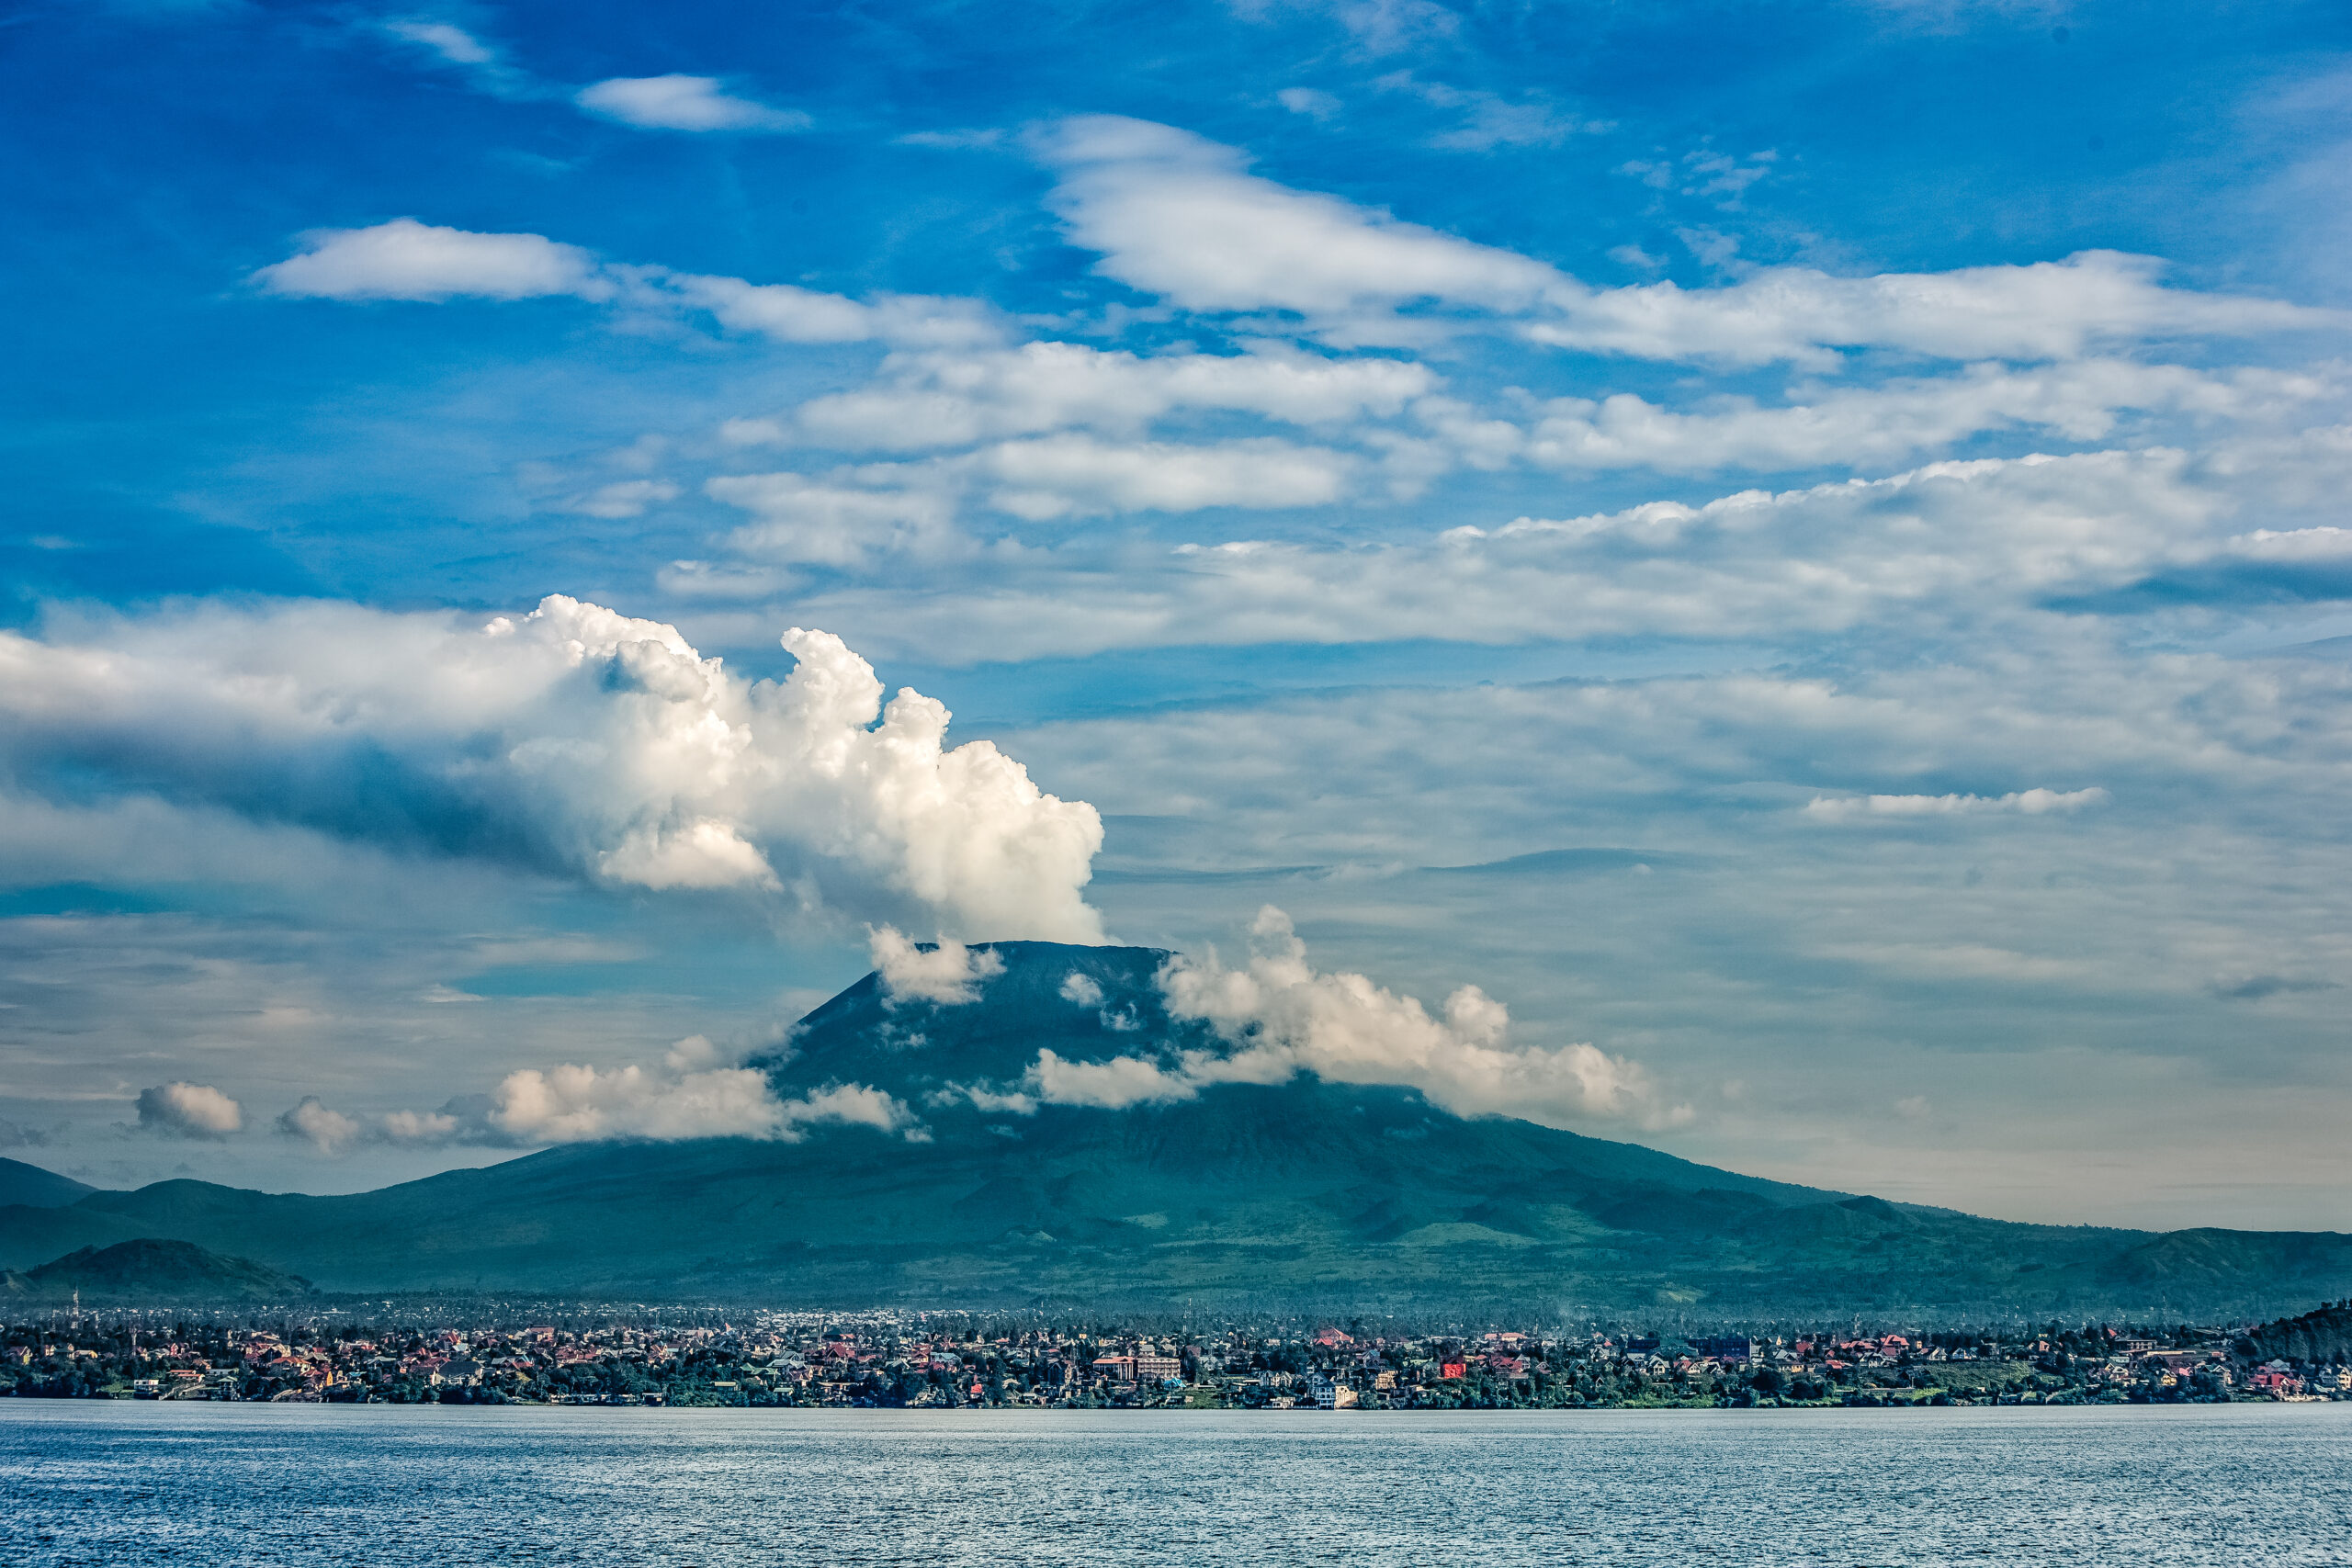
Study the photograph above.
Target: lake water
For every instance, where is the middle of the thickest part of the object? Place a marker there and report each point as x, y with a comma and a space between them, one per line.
217, 1485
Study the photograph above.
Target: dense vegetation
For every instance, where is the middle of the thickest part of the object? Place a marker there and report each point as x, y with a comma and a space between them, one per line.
2321, 1337
149, 1272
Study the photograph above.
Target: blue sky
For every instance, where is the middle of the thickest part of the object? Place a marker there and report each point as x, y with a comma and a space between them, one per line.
1796, 547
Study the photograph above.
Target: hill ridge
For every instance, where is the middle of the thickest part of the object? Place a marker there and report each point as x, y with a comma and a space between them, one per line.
150, 1270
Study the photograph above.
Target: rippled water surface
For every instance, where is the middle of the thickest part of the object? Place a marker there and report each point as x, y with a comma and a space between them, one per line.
119, 1483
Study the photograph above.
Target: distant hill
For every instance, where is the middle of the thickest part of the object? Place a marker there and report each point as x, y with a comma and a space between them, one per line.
1306, 1195
152, 1272
34, 1188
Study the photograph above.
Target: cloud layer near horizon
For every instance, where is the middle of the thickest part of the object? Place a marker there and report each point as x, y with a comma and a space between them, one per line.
1276, 1016
695, 1091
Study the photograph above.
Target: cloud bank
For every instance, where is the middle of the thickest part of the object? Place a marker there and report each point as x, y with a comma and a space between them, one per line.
1282, 1013
1943, 542
534, 1108
1278, 1016
570, 740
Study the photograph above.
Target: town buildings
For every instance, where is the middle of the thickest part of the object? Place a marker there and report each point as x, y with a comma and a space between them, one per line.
958, 1361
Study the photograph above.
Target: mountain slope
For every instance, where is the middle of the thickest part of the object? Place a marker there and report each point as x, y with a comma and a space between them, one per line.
34, 1188
149, 1273
1306, 1193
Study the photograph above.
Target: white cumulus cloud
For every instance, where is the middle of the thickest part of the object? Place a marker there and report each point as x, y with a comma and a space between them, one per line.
189, 1110
1342, 1027
326, 1130
1278, 1016
408, 260
945, 974
1111, 1085
570, 738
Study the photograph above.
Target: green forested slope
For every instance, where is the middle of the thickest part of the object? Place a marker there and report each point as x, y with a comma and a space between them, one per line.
1305, 1194
146, 1270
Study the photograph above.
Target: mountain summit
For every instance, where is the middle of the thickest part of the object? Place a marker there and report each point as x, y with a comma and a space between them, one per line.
977, 1187
1086, 1005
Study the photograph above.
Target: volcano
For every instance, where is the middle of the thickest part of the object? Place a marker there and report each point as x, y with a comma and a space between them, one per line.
1302, 1195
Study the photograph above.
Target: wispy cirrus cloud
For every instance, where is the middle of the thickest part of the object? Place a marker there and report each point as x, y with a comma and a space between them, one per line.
485, 64
683, 103
1178, 216
674, 101
1883, 807
1892, 420
1488, 120
404, 259
927, 400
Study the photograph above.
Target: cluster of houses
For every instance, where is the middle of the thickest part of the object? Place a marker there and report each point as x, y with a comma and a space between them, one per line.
953, 1361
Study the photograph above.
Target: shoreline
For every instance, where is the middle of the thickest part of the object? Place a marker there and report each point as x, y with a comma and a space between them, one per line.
1905, 1408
